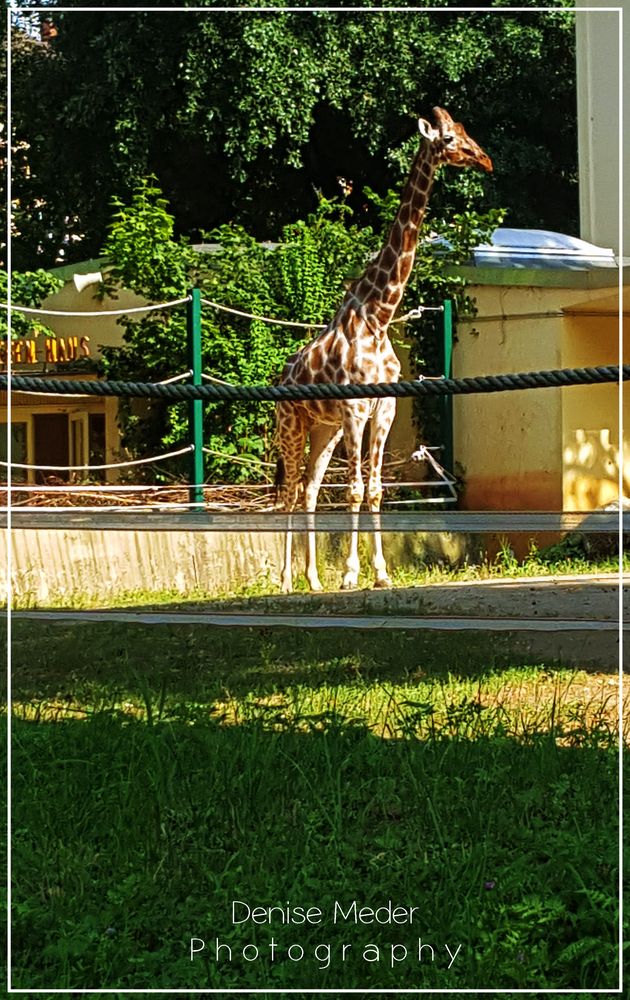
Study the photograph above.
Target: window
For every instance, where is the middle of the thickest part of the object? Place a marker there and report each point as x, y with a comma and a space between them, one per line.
96, 445
19, 445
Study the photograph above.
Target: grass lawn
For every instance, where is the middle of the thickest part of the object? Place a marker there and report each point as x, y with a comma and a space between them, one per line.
161, 773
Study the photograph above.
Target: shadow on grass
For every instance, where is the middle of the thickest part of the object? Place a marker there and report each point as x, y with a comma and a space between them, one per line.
129, 839
205, 663
272, 654
202, 660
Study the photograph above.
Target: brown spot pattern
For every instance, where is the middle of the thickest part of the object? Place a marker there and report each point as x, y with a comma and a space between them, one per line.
355, 347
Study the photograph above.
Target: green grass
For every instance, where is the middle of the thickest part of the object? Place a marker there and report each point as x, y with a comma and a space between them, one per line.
137, 838
160, 773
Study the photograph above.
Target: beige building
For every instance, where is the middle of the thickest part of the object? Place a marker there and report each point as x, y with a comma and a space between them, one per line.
543, 449
557, 449
62, 431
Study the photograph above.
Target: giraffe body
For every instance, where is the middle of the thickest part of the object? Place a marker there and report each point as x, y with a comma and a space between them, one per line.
355, 349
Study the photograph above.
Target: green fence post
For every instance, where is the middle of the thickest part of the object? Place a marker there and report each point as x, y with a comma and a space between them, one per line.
195, 406
447, 400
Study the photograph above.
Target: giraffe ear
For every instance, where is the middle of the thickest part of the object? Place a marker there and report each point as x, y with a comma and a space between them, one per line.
426, 129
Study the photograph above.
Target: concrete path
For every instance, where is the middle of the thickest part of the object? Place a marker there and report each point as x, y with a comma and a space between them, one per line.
574, 620
441, 624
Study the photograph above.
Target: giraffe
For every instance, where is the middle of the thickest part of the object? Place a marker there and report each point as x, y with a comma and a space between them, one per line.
355, 348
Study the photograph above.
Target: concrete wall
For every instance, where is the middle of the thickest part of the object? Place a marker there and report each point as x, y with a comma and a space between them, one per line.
60, 565
49, 565
597, 55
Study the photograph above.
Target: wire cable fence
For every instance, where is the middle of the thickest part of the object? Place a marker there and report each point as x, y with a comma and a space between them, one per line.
175, 390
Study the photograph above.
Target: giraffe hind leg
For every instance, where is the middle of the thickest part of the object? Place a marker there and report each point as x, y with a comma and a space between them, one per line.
291, 441
379, 431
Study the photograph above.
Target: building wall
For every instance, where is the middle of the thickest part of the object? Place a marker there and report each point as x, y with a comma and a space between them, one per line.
103, 331
592, 452
507, 445
545, 449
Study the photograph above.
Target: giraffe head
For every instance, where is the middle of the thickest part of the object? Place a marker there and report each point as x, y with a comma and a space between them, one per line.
452, 143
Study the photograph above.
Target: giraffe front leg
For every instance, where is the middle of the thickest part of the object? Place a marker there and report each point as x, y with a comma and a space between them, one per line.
379, 430
324, 438
381, 576
355, 419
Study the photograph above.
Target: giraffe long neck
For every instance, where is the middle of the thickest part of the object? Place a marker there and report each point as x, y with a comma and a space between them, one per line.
382, 286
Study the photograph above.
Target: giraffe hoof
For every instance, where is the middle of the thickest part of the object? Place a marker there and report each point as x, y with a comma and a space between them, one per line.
383, 583
349, 584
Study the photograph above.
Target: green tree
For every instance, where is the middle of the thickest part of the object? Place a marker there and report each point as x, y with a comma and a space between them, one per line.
28, 288
240, 115
301, 279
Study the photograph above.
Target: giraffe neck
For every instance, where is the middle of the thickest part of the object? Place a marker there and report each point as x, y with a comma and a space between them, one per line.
382, 286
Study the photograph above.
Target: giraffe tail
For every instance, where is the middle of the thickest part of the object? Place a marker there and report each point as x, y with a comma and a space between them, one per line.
280, 477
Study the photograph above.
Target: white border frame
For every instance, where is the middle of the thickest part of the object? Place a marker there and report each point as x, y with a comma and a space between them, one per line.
13, 12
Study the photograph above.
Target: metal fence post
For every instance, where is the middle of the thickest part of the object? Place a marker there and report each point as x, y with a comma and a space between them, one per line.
447, 400
195, 406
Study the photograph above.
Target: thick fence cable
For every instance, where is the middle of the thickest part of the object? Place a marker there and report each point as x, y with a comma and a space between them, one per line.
555, 378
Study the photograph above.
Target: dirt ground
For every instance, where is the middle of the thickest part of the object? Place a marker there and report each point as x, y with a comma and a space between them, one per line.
586, 598
566, 599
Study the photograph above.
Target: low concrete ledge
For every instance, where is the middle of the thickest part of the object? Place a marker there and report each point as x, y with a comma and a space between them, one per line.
57, 564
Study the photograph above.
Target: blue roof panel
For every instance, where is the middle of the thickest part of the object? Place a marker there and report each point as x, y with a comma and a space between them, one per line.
541, 248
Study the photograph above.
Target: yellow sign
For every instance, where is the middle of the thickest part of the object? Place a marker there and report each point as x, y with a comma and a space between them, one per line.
55, 350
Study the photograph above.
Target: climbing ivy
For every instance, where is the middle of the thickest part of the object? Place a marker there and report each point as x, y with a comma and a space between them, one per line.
300, 278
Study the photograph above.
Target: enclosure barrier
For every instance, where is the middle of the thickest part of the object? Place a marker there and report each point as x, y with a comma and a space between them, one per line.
196, 393
554, 378
193, 303
597, 522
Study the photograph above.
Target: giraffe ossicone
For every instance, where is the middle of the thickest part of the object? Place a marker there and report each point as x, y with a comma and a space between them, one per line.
354, 348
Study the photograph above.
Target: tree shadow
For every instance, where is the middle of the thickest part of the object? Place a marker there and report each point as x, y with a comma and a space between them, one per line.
192, 650
129, 839
204, 662
270, 764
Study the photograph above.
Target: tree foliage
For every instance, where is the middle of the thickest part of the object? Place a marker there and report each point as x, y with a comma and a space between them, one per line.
239, 115
28, 288
299, 279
